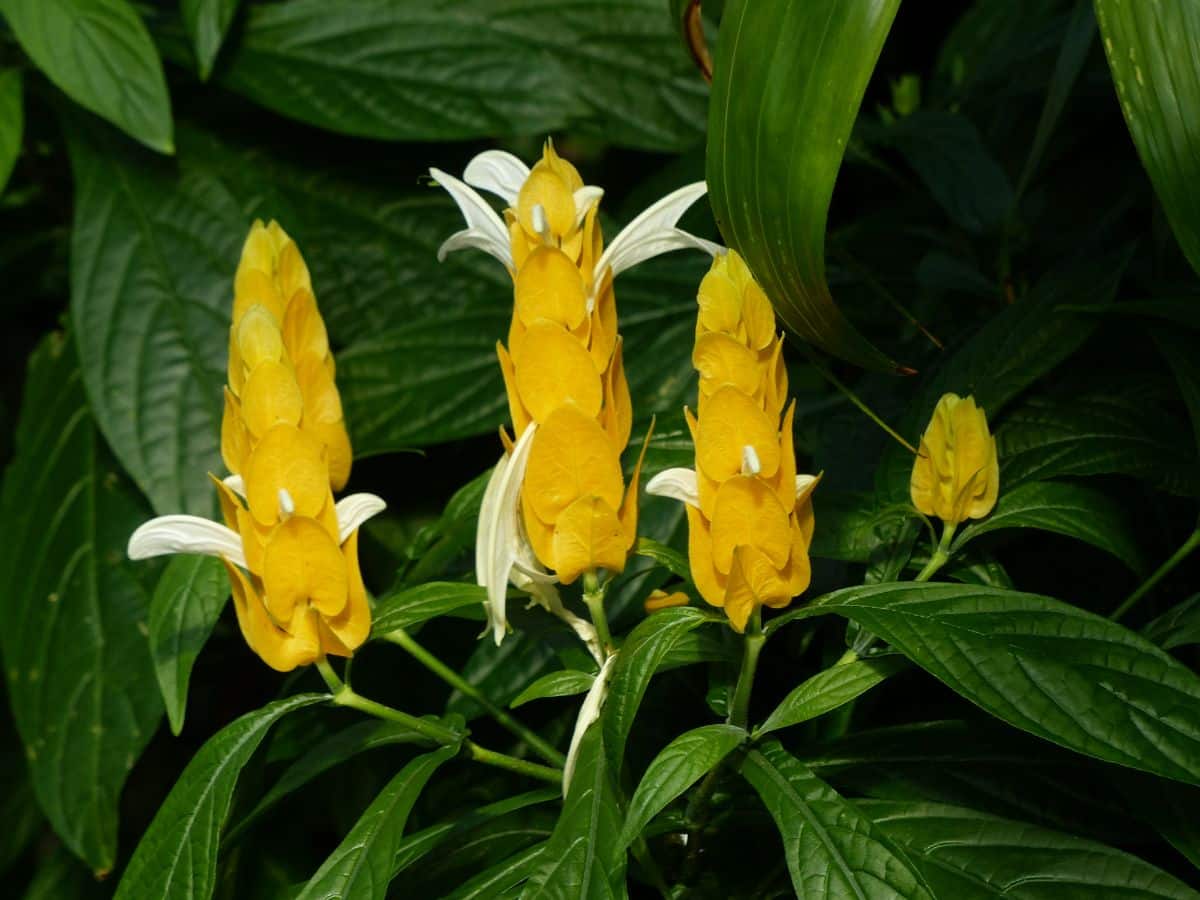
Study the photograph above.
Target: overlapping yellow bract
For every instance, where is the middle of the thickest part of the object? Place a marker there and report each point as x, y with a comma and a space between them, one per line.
563, 370
956, 475
283, 433
748, 535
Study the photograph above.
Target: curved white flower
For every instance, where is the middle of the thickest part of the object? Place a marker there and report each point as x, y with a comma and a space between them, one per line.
589, 712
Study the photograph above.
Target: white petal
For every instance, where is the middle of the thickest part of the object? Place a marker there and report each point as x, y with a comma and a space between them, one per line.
236, 484
487, 520
501, 549
585, 198
678, 484
653, 233
589, 712
185, 534
532, 575
497, 172
355, 509
485, 229
750, 463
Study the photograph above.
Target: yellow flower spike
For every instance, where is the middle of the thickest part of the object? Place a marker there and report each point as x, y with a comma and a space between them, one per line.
323, 418
798, 572
660, 599
709, 582
719, 299
604, 323
803, 513
588, 536
235, 440
721, 360
784, 481
617, 415
746, 506
254, 286
562, 168
758, 317
235, 370
629, 506
277, 647
546, 190
230, 504
271, 397
540, 536
571, 457
304, 331
753, 581
956, 473
775, 384
344, 633
549, 286
730, 423
516, 409
258, 337
287, 459
291, 270
303, 566
554, 370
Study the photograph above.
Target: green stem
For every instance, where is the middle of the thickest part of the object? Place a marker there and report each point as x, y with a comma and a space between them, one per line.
739, 709
593, 596
543, 748
512, 764
941, 553
1159, 574
435, 732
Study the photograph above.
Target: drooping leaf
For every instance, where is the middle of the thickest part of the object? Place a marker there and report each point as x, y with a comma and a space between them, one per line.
1178, 626
177, 856
1043, 666
12, 122
100, 54
361, 866
186, 605
1070, 509
681, 764
829, 689
206, 22
555, 684
414, 605
1157, 77
787, 84
832, 849
970, 855
79, 677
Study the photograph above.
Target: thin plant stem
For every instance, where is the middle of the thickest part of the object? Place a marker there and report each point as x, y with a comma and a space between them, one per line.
593, 597
739, 709
858, 402
1158, 575
543, 748
941, 553
511, 763
439, 734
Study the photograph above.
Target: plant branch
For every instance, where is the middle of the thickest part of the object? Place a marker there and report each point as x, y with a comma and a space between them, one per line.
941, 553
1159, 574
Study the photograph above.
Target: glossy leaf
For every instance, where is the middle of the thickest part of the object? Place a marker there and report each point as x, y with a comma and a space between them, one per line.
787, 84
12, 122
438, 544
186, 605
1064, 508
394, 71
555, 684
501, 879
970, 855
100, 54
192, 815
832, 849
206, 22
501, 673
1178, 626
80, 682
1043, 666
414, 605
667, 557
829, 689
361, 866
1157, 76
681, 764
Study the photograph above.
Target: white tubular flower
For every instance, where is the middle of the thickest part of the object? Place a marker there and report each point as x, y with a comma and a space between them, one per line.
589, 712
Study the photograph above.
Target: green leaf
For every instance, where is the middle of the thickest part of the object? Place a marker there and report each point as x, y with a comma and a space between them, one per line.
396, 71
192, 815
361, 866
1178, 626
681, 764
501, 878
582, 859
100, 54
827, 690
832, 849
1158, 83
788, 81
501, 673
667, 557
855, 527
645, 647
60, 876
412, 606
206, 22
1068, 509
12, 122
18, 808
1043, 666
555, 684
186, 605
79, 678
438, 544
969, 855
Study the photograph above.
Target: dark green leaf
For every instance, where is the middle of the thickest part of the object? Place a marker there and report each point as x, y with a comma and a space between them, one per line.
186, 605
501, 878
361, 866
1177, 627
438, 544
1051, 669
1168, 807
18, 808
556, 684
832, 849
12, 122
100, 54
1070, 509
414, 605
193, 813
667, 557
828, 690
60, 876
1179, 350
1158, 83
503, 672
788, 81
967, 855
681, 764
206, 22
78, 673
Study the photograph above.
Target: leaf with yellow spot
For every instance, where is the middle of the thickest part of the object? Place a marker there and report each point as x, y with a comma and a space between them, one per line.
554, 369
571, 457
748, 512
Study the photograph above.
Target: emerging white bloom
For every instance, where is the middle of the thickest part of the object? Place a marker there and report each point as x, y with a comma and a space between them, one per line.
589, 712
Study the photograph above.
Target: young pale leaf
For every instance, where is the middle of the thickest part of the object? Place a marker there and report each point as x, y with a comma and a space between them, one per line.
206, 22
1041, 665
1178, 626
412, 606
177, 856
502, 879
832, 849
582, 859
12, 122
969, 855
1064, 508
637, 661
186, 605
827, 690
80, 682
361, 866
1149, 49
100, 54
555, 684
681, 764
788, 81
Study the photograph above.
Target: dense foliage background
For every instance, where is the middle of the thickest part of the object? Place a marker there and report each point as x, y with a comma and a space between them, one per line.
993, 228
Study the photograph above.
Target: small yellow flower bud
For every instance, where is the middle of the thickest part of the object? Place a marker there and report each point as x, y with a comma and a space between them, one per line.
956, 475
662, 600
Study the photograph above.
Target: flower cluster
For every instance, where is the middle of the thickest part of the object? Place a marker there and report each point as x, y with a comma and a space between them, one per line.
290, 551
956, 475
750, 518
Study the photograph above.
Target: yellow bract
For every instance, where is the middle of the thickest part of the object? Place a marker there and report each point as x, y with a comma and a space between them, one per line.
956, 475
